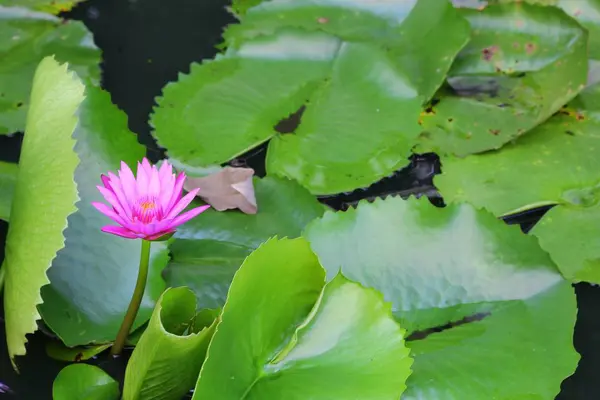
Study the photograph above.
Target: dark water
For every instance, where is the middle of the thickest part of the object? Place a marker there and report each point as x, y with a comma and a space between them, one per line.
145, 44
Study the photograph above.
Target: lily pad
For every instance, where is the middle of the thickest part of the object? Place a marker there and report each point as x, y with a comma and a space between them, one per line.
85, 382
493, 298
28, 37
59, 351
522, 64
305, 63
167, 359
44, 197
93, 277
306, 339
206, 252
555, 164
8, 182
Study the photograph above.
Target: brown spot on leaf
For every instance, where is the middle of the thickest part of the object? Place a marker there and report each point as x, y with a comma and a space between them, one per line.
489, 52
322, 20
530, 47
78, 357
495, 132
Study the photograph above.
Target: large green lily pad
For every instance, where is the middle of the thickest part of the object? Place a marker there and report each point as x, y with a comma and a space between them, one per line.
556, 164
44, 197
27, 37
511, 308
207, 251
344, 66
281, 337
8, 182
93, 277
522, 64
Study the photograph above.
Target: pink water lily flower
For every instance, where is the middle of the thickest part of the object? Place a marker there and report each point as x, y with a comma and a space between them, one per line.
147, 206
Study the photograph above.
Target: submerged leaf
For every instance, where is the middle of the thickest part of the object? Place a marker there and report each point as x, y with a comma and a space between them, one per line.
306, 339
226, 189
84, 382
8, 181
206, 252
45, 195
167, 359
93, 277
480, 299
59, 351
523, 63
27, 38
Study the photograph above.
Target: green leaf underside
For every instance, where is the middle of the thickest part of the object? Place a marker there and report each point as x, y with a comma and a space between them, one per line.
8, 181
440, 265
167, 359
523, 63
45, 195
58, 351
93, 264
207, 251
29, 37
306, 343
556, 163
362, 96
84, 382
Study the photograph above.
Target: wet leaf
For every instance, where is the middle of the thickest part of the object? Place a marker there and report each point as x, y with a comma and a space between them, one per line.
167, 359
227, 189
27, 38
507, 307
50, 6
85, 382
353, 86
44, 197
523, 63
555, 164
8, 181
93, 263
306, 339
206, 252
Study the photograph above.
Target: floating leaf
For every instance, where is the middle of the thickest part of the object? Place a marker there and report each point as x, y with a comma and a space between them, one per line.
27, 38
226, 189
523, 63
167, 359
556, 164
453, 265
45, 195
50, 6
206, 252
291, 352
8, 181
58, 351
358, 97
85, 382
93, 277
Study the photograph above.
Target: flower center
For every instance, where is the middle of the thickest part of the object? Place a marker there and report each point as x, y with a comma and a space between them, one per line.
147, 210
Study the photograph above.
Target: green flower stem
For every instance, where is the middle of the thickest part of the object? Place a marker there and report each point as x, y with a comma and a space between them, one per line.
136, 300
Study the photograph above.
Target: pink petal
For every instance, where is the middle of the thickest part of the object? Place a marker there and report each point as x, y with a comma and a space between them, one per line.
185, 217
142, 180
128, 183
154, 184
117, 188
112, 199
177, 190
119, 231
104, 209
158, 235
167, 182
105, 181
183, 203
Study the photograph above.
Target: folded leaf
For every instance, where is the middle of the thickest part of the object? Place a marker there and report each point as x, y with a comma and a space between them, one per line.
167, 359
45, 195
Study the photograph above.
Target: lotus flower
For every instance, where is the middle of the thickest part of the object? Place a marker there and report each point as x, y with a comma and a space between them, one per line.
147, 206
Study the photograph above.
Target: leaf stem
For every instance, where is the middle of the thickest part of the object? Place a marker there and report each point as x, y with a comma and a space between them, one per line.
136, 300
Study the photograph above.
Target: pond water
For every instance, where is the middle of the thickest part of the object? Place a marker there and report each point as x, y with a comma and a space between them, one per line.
145, 44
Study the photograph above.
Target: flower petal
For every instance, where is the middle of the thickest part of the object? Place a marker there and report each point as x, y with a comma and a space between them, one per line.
117, 188
159, 235
154, 184
104, 209
142, 180
110, 196
167, 183
119, 231
105, 181
177, 190
128, 183
185, 217
181, 204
